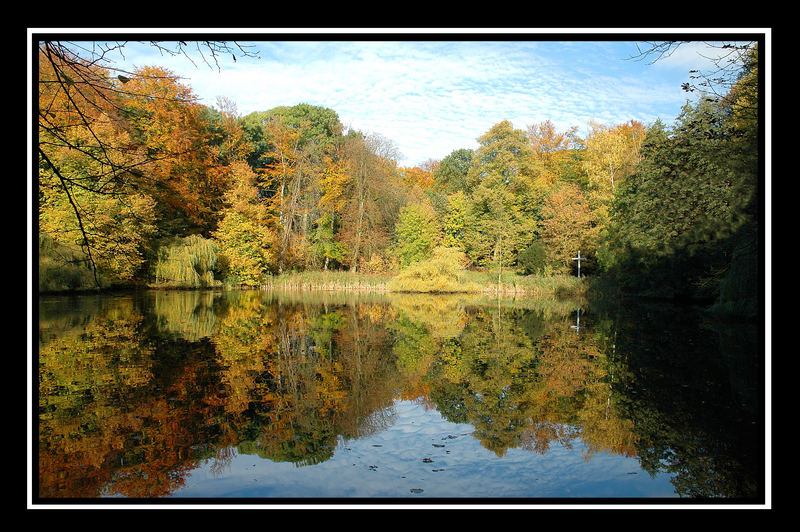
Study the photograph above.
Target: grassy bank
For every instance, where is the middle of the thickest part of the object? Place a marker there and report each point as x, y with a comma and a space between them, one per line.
471, 282
531, 285
329, 280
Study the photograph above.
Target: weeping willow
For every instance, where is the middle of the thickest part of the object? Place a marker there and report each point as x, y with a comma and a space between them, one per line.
187, 262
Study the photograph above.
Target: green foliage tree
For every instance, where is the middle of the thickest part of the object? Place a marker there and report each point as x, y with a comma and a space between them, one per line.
677, 220
320, 125
739, 289
685, 224
320, 128
416, 233
500, 176
451, 175
533, 260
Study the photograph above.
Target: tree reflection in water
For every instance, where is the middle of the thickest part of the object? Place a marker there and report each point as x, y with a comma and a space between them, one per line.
135, 391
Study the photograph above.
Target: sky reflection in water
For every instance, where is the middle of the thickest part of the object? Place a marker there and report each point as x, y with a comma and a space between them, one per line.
393, 464
264, 395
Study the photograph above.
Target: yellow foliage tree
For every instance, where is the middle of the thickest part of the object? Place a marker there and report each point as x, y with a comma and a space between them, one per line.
552, 150
90, 199
246, 234
610, 157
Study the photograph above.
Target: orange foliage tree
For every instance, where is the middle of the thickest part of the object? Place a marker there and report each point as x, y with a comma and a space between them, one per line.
183, 170
569, 224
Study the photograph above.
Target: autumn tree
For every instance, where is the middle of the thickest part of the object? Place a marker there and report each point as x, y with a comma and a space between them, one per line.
555, 152
320, 131
569, 224
182, 172
294, 149
419, 179
333, 185
455, 225
83, 110
373, 197
416, 232
611, 156
90, 202
247, 233
556, 157
499, 178
283, 180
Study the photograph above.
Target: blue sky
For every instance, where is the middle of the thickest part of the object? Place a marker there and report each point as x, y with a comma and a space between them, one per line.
430, 97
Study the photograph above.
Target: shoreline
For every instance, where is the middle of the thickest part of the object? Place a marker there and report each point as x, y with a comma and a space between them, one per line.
365, 283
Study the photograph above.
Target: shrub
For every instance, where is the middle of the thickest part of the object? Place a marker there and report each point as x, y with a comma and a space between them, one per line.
533, 259
63, 267
377, 264
443, 272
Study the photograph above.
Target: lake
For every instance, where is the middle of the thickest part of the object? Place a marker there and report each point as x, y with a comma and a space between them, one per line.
269, 396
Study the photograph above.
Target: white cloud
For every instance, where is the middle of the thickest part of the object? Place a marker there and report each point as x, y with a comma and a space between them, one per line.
431, 98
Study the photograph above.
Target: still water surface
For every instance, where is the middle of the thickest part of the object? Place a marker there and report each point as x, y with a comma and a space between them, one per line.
253, 394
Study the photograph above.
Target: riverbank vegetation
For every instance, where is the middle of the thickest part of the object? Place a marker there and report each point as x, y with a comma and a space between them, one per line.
139, 184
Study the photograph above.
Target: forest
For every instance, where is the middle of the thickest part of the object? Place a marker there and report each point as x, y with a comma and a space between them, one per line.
141, 185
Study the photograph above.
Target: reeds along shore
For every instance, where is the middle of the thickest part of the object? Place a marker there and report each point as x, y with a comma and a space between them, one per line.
470, 282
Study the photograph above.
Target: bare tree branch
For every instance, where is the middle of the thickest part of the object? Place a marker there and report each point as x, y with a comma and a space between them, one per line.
727, 60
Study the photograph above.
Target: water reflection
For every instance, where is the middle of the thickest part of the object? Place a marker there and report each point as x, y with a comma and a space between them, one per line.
136, 391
